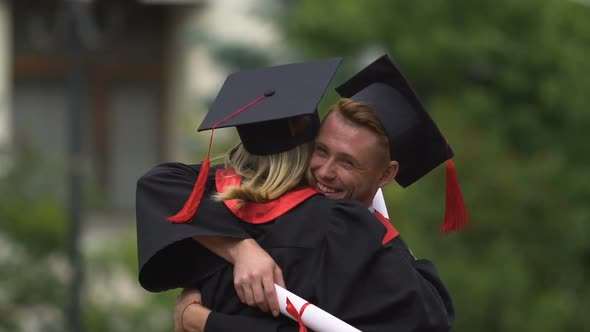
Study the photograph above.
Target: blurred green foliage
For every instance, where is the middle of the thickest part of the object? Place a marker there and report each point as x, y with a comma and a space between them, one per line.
34, 270
33, 236
507, 82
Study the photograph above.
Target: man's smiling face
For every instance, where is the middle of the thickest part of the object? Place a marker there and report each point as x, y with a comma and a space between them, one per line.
348, 161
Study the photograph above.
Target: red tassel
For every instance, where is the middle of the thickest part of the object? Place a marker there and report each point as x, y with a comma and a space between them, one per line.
192, 204
456, 216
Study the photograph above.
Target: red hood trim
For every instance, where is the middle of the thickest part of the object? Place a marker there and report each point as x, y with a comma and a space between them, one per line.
392, 233
259, 213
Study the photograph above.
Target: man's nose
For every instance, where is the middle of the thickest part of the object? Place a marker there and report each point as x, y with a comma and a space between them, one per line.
326, 170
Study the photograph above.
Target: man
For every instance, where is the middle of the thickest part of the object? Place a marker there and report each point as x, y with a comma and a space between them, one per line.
344, 170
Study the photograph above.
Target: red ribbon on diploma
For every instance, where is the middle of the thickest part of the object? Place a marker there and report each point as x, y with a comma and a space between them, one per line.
297, 315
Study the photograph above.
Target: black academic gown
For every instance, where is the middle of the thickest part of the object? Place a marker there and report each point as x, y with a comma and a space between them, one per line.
331, 254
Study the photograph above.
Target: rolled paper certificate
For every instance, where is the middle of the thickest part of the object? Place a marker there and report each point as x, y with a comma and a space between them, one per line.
379, 203
312, 316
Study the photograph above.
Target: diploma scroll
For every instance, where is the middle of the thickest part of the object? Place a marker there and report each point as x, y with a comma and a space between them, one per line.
312, 317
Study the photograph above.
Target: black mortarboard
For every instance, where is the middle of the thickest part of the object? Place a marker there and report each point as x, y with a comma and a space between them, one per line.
414, 139
260, 103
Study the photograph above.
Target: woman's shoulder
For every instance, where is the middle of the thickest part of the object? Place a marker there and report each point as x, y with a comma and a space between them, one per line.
178, 168
345, 215
174, 173
339, 208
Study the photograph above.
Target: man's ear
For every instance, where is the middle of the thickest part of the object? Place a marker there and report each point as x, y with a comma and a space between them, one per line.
388, 174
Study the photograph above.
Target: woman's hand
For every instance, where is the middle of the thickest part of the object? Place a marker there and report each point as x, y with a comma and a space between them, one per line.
189, 314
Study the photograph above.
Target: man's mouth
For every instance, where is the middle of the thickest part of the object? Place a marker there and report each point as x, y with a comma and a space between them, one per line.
325, 189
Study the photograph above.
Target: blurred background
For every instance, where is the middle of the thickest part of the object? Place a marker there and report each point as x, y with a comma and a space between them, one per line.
93, 93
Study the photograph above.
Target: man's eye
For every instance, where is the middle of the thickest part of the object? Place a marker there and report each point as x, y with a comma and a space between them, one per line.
347, 163
321, 151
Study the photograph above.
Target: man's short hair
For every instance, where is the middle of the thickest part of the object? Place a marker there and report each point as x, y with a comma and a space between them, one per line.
363, 115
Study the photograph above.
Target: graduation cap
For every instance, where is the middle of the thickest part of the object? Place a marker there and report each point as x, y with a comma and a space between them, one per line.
261, 103
415, 141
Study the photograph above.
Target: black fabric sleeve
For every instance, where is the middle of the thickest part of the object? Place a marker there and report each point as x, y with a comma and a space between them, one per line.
168, 257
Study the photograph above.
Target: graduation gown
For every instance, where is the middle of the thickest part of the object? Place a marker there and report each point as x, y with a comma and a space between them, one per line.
334, 253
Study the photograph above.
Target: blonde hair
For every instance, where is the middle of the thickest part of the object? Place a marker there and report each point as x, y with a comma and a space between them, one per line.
267, 177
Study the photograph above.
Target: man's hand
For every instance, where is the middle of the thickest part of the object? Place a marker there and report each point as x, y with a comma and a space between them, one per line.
255, 274
188, 315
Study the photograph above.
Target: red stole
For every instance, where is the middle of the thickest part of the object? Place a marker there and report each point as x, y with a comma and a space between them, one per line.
259, 213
